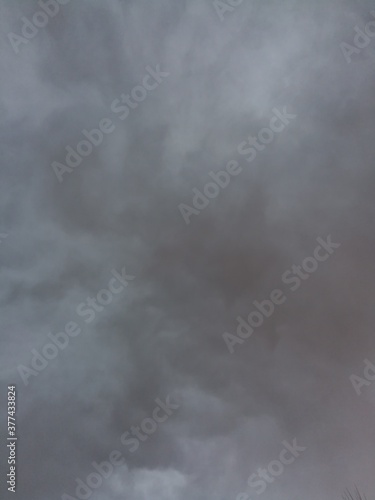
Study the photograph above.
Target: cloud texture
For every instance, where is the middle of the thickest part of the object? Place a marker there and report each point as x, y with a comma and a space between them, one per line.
163, 335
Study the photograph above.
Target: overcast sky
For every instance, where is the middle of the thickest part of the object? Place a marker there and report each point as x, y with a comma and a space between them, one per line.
224, 74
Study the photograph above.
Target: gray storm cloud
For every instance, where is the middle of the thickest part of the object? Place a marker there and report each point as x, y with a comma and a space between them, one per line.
163, 334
